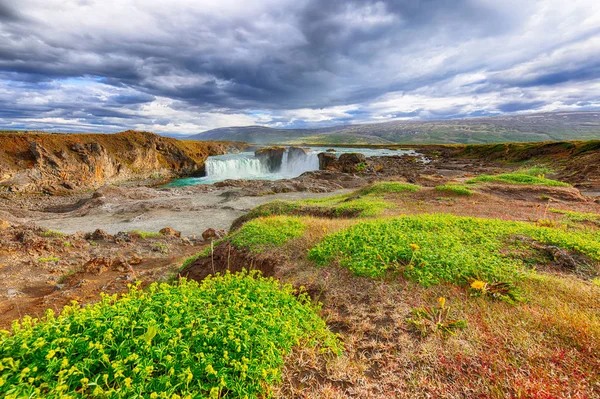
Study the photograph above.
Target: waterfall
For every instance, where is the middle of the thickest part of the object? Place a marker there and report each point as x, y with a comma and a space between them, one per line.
248, 166
297, 162
241, 166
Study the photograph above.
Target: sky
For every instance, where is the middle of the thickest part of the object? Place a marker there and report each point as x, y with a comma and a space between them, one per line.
186, 66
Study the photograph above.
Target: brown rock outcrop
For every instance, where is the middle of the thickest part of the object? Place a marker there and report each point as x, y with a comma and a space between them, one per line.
60, 163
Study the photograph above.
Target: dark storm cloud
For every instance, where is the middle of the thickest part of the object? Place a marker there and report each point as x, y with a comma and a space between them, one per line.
230, 58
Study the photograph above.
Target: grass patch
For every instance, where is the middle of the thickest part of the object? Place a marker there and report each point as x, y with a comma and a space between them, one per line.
49, 259
224, 337
344, 206
577, 216
146, 234
534, 176
431, 249
52, 234
457, 189
366, 202
262, 234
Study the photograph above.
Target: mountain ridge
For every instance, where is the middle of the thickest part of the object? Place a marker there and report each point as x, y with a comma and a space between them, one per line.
549, 126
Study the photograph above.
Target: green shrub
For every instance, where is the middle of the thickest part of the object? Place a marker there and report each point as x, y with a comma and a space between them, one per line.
431, 249
224, 337
262, 234
517, 178
454, 189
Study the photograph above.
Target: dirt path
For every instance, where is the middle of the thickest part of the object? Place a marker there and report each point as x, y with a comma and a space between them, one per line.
126, 209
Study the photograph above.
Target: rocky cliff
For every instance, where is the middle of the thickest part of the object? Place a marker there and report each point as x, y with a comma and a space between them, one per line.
59, 163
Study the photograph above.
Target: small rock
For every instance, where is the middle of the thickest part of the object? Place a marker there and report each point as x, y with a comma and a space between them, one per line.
122, 237
4, 225
135, 259
211, 234
98, 265
99, 235
169, 231
12, 293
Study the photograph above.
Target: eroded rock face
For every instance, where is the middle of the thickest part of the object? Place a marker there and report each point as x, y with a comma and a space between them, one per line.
271, 156
326, 159
61, 163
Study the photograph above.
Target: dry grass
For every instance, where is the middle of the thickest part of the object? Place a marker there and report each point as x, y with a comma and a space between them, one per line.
546, 347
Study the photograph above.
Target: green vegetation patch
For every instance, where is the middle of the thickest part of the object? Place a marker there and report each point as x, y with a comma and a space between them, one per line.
52, 234
146, 234
262, 234
457, 189
431, 249
225, 337
365, 202
523, 176
577, 216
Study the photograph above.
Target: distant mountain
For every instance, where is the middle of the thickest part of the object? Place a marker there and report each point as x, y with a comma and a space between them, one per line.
550, 126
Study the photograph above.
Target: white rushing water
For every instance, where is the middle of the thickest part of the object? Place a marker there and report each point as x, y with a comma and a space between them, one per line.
246, 165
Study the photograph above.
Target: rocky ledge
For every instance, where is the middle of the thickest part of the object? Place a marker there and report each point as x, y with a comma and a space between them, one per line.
63, 163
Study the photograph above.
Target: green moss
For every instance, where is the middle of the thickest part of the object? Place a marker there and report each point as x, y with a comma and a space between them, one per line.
431, 249
457, 189
224, 337
265, 233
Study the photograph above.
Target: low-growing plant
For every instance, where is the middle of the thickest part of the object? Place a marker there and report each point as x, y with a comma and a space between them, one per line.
517, 178
225, 337
146, 234
451, 248
499, 290
577, 216
53, 234
457, 189
261, 234
435, 320
49, 259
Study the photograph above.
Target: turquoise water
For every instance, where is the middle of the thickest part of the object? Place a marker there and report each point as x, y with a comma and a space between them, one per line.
246, 166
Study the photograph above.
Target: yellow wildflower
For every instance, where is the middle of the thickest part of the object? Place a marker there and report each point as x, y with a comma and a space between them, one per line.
478, 285
415, 247
442, 302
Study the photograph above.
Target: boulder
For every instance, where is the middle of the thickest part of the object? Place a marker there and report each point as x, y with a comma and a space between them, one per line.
170, 232
212, 234
326, 159
352, 158
99, 235
271, 157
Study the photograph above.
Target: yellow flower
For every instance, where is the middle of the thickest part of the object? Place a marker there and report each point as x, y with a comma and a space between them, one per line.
442, 302
478, 285
415, 247
127, 382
